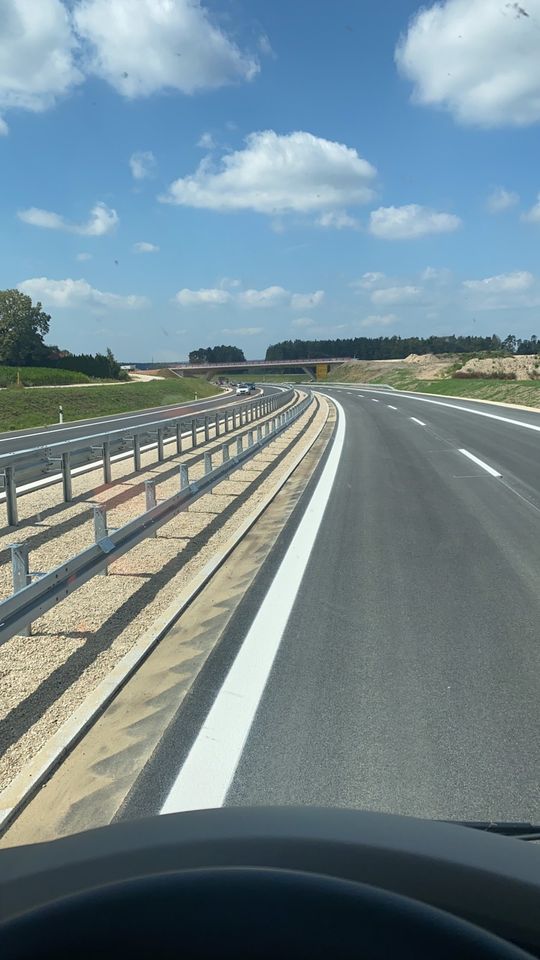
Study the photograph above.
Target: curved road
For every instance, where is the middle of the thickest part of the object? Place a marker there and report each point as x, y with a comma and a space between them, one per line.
388, 653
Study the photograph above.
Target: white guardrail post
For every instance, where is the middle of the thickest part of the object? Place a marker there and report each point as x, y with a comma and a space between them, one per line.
101, 531
20, 574
11, 496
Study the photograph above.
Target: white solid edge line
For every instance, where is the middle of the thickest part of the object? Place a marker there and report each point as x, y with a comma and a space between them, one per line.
478, 413
207, 773
419, 422
485, 466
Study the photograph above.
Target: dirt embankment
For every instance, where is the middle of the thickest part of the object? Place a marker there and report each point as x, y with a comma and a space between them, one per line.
515, 368
424, 367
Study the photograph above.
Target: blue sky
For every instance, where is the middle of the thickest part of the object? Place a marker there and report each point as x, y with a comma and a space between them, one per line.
307, 169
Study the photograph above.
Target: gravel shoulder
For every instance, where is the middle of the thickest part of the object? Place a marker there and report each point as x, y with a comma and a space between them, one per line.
45, 677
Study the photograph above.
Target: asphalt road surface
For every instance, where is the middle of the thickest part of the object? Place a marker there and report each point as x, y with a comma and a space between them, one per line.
56, 433
388, 651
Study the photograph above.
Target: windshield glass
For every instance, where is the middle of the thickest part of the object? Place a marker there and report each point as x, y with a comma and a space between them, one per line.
269, 408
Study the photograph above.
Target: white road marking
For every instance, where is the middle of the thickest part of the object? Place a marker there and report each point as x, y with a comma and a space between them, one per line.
478, 413
485, 466
209, 768
390, 407
419, 422
374, 401
359, 394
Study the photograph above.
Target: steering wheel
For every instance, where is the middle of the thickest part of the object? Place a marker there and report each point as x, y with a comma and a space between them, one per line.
228, 912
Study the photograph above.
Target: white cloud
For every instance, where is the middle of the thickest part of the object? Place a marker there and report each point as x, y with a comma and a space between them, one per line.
436, 275
273, 296
102, 220
143, 164
206, 141
83, 256
243, 331
504, 291
390, 295
410, 221
144, 247
303, 322
75, 293
231, 282
477, 59
37, 50
379, 320
4, 129
269, 297
500, 199
278, 174
368, 281
205, 296
503, 283
142, 46
338, 219
306, 301
533, 215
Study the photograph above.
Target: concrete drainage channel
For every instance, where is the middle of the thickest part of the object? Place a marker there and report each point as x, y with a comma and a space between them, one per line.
88, 696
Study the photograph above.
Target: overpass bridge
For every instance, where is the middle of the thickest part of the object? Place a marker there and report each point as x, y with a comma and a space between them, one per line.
316, 368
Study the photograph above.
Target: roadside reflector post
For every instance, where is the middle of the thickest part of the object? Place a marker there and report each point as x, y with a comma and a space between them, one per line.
136, 452
206, 430
160, 448
179, 437
208, 463
11, 496
184, 476
193, 433
225, 450
20, 575
66, 477
100, 527
217, 425
107, 475
239, 446
60, 413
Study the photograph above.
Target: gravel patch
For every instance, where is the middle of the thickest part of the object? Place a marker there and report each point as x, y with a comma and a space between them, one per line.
45, 677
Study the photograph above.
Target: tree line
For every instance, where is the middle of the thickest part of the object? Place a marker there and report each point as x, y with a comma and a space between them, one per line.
396, 348
221, 354
23, 327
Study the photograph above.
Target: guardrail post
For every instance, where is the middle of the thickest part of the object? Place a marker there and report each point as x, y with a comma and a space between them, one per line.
193, 434
259, 433
226, 422
100, 527
225, 452
208, 463
179, 438
160, 449
234, 419
11, 497
184, 476
20, 574
217, 425
206, 430
250, 438
150, 496
267, 428
136, 452
239, 445
66, 477
107, 475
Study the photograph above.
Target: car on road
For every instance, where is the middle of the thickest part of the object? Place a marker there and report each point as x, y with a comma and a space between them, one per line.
242, 389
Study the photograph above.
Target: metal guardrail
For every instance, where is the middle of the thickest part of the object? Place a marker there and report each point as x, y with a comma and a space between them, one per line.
37, 462
34, 597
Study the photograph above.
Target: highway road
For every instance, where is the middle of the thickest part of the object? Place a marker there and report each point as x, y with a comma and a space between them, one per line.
56, 433
387, 654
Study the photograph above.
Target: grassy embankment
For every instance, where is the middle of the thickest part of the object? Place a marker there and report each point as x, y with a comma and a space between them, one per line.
40, 377
525, 392
20, 409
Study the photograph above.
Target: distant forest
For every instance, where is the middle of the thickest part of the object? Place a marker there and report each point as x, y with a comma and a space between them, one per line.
396, 348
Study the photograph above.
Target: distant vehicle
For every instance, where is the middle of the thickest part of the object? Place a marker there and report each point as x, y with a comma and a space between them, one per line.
242, 389
251, 387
